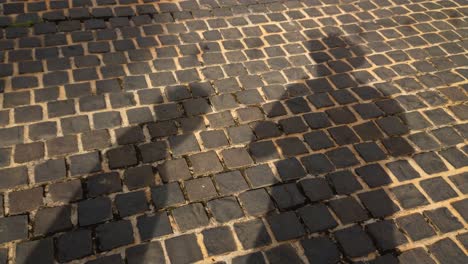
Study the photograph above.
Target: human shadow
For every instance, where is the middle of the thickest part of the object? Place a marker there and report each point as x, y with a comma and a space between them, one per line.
305, 182
297, 156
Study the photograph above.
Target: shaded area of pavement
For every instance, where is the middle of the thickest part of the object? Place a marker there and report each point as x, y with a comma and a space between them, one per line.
286, 131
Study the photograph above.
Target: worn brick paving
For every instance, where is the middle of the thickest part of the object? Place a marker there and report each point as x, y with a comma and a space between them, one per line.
233, 131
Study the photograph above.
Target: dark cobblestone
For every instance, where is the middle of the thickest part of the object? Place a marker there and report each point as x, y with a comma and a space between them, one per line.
373, 175
290, 169
25, 200
151, 252
355, 241
14, 228
183, 249
85, 163
278, 221
74, 245
344, 182
460, 206
204, 163
66, 191
138, 177
11, 136
378, 203
190, 216
252, 234
94, 211
52, 219
167, 195
153, 226
122, 157
103, 183
95, 139
13, 177
409, 196
438, 189
348, 210
40, 249
287, 196
29, 152
380, 232
212, 243
443, 220
415, 226
255, 257
62, 145
256, 202
320, 249
316, 189
114, 234
107, 260
417, 254
131, 203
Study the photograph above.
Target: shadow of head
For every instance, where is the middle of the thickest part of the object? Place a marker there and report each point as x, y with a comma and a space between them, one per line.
309, 154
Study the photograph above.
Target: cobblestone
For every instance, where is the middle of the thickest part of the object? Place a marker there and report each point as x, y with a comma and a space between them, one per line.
153, 226
212, 243
25, 200
114, 234
150, 252
355, 241
74, 245
94, 211
415, 226
40, 249
252, 234
50, 220
14, 228
183, 249
233, 131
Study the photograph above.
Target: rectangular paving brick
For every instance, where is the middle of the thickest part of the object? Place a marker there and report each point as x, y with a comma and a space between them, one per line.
13, 177
13, 228
153, 226
50, 220
114, 234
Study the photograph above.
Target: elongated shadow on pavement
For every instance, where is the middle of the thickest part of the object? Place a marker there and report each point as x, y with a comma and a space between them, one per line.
284, 196
338, 131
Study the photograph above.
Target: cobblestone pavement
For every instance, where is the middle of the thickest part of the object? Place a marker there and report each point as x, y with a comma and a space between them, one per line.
233, 131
